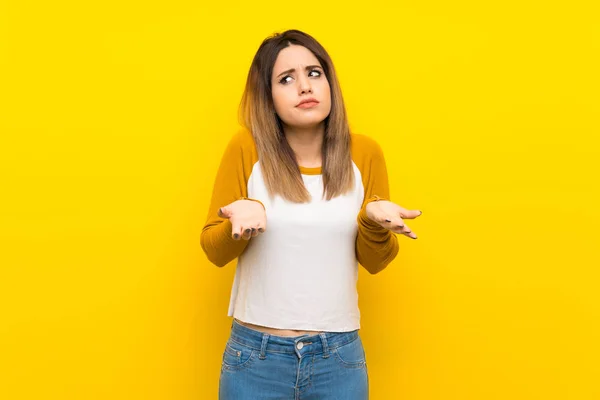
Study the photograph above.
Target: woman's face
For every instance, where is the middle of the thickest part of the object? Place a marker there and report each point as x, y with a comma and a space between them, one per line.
307, 80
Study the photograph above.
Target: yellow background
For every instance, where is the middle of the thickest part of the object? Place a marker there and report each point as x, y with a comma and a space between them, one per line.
113, 118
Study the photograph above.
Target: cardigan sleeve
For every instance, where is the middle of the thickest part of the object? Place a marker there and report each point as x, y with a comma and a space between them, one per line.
230, 185
376, 246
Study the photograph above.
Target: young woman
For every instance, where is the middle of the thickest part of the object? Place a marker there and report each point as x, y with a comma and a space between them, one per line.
299, 200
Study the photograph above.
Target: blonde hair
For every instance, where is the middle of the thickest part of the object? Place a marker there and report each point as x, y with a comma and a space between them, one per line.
257, 114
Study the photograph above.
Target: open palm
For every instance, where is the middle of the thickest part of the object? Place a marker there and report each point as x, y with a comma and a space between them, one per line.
391, 216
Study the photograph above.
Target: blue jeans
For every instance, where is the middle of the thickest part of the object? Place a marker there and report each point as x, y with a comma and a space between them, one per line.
325, 366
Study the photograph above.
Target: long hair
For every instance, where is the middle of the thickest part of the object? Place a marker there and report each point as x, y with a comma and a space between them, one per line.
257, 114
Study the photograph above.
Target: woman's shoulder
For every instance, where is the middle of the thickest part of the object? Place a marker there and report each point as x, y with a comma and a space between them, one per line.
242, 138
241, 144
364, 147
240, 154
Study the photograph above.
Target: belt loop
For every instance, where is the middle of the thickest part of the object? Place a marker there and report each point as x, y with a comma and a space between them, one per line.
325, 346
263, 346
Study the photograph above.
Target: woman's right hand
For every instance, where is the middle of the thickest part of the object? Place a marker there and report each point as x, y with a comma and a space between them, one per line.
248, 218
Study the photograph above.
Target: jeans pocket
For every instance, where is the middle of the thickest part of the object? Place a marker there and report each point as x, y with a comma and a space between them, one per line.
237, 356
351, 355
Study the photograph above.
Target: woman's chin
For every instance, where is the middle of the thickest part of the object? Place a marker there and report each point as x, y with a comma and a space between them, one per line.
309, 121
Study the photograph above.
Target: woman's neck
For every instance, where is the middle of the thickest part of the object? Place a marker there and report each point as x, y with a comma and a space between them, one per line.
307, 144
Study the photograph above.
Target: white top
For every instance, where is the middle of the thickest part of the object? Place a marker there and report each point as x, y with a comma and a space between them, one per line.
301, 273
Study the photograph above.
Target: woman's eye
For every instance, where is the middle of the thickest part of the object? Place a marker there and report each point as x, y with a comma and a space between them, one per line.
285, 81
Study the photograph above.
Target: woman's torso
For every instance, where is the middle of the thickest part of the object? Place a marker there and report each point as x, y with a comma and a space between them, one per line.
277, 332
300, 275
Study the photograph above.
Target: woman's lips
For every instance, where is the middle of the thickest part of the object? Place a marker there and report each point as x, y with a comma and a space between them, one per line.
309, 104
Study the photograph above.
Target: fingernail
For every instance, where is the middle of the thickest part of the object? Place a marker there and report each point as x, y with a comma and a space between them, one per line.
261, 230
253, 230
400, 226
420, 212
388, 220
248, 230
236, 236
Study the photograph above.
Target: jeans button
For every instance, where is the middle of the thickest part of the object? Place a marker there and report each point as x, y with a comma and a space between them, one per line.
300, 345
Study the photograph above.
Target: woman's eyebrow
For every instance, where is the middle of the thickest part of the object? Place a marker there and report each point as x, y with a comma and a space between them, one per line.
294, 70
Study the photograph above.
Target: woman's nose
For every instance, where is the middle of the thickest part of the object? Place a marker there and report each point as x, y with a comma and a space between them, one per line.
304, 85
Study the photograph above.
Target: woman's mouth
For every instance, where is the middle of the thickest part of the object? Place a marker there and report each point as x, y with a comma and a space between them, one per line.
309, 104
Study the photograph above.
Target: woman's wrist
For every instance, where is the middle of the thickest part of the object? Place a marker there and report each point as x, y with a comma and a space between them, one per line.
363, 216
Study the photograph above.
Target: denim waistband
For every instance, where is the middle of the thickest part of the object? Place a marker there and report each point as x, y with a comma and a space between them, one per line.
318, 343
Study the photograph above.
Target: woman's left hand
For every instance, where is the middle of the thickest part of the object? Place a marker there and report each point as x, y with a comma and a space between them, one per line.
391, 216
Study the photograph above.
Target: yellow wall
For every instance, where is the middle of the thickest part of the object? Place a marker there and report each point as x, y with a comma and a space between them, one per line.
113, 118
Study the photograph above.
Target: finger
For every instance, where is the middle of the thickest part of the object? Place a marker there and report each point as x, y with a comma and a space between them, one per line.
247, 233
407, 231
255, 230
411, 235
224, 212
236, 231
410, 214
395, 223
